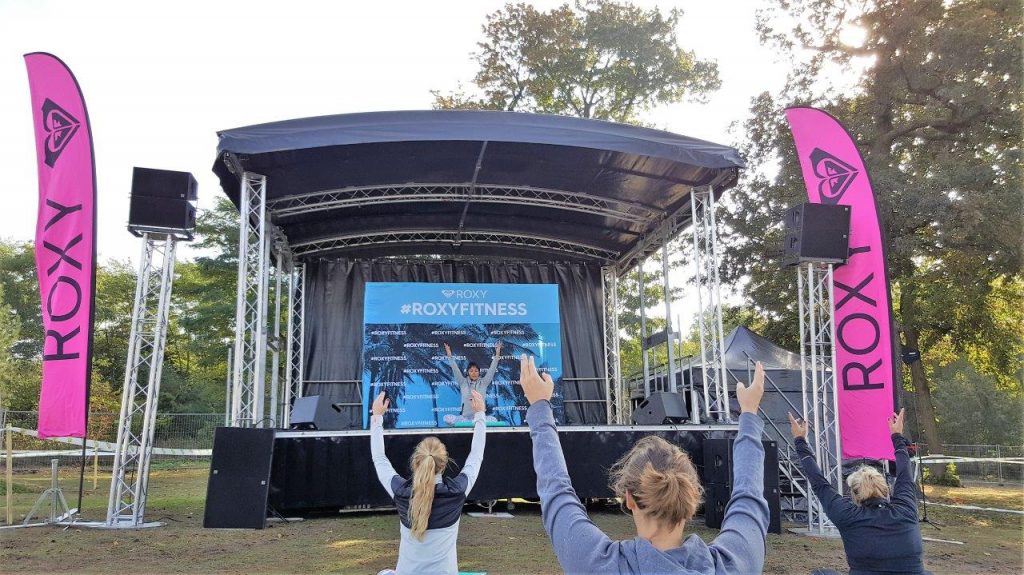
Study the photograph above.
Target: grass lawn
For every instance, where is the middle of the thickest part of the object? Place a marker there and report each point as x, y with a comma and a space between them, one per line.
367, 542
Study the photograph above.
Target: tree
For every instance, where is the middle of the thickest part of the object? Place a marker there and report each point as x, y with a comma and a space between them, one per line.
937, 114
596, 59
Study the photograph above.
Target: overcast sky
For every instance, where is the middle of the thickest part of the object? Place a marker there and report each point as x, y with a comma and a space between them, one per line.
160, 79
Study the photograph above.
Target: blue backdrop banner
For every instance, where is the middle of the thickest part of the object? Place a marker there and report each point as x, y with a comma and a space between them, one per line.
426, 345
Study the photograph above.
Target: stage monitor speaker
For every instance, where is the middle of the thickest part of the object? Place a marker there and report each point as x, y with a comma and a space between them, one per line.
718, 462
317, 412
716, 502
161, 203
660, 408
817, 233
150, 183
236, 493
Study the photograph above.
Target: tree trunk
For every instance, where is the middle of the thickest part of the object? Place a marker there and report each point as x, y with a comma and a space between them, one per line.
922, 391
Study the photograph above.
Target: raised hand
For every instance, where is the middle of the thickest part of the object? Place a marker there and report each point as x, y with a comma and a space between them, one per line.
447, 350
534, 385
896, 422
476, 401
380, 405
798, 427
749, 396
497, 349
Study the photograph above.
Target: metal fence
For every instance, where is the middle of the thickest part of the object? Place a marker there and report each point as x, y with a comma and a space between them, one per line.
985, 471
190, 434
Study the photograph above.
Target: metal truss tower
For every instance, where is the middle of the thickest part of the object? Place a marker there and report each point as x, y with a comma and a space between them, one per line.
129, 483
250, 367
615, 389
818, 367
709, 302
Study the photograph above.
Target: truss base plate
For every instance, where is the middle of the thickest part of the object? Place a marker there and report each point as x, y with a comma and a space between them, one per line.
123, 525
827, 534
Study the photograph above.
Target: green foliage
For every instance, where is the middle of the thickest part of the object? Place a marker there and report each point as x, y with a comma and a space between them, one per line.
596, 59
935, 107
949, 478
972, 409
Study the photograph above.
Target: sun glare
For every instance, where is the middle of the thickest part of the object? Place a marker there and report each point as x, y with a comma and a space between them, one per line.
853, 36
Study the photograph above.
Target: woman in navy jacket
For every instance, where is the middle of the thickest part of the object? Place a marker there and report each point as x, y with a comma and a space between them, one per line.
879, 529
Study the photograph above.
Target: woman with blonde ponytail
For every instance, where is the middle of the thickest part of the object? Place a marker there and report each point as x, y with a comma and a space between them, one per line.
659, 487
429, 504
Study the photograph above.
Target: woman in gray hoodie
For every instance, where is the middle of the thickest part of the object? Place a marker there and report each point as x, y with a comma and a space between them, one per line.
660, 488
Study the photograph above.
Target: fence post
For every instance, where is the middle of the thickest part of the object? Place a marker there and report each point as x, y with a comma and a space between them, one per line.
999, 463
9, 487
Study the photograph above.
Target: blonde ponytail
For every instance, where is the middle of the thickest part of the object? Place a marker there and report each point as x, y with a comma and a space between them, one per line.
428, 459
662, 480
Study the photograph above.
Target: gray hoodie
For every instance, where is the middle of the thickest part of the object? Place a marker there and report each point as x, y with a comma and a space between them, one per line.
466, 386
581, 547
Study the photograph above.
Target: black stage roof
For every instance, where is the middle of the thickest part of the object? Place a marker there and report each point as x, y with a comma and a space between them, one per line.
473, 183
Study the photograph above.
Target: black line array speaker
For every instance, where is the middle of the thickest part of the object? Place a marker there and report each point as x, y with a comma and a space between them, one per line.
162, 202
817, 233
317, 412
718, 468
659, 408
239, 484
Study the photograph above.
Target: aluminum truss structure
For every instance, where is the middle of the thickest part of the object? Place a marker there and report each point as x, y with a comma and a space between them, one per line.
709, 302
614, 388
293, 382
259, 239
129, 483
249, 378
818, 367
471, 192
452, 237
262, 244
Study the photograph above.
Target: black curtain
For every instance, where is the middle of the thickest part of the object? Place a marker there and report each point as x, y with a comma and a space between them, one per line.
334, 322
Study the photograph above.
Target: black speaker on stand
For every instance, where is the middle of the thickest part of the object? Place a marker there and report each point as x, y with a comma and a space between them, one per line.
162, 202
817, 233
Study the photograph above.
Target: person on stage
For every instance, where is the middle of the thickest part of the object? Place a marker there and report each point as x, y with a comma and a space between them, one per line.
470, 382
658, 484
880, 530
429, 504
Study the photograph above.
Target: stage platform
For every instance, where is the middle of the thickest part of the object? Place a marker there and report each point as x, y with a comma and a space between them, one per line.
259, 472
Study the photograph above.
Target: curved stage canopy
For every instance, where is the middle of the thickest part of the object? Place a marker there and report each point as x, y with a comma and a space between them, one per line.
474, 184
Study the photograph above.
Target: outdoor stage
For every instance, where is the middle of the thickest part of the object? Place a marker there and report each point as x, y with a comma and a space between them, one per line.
329, 204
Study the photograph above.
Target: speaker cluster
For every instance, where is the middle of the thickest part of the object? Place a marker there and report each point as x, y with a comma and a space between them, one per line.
163, 202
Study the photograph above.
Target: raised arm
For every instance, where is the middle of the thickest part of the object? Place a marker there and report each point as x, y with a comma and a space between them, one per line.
904, 492
456, 371
381, 463
476, 450
740, 546
837, 508
492, 370
579, 545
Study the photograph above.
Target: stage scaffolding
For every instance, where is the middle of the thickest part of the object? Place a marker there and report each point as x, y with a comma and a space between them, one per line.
129, 482
265, 253
818, 368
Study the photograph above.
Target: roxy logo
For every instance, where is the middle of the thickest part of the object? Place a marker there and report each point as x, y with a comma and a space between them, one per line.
464, 293
60, 127
834, 175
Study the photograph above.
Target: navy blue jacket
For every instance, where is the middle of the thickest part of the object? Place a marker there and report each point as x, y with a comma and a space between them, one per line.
880, 535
